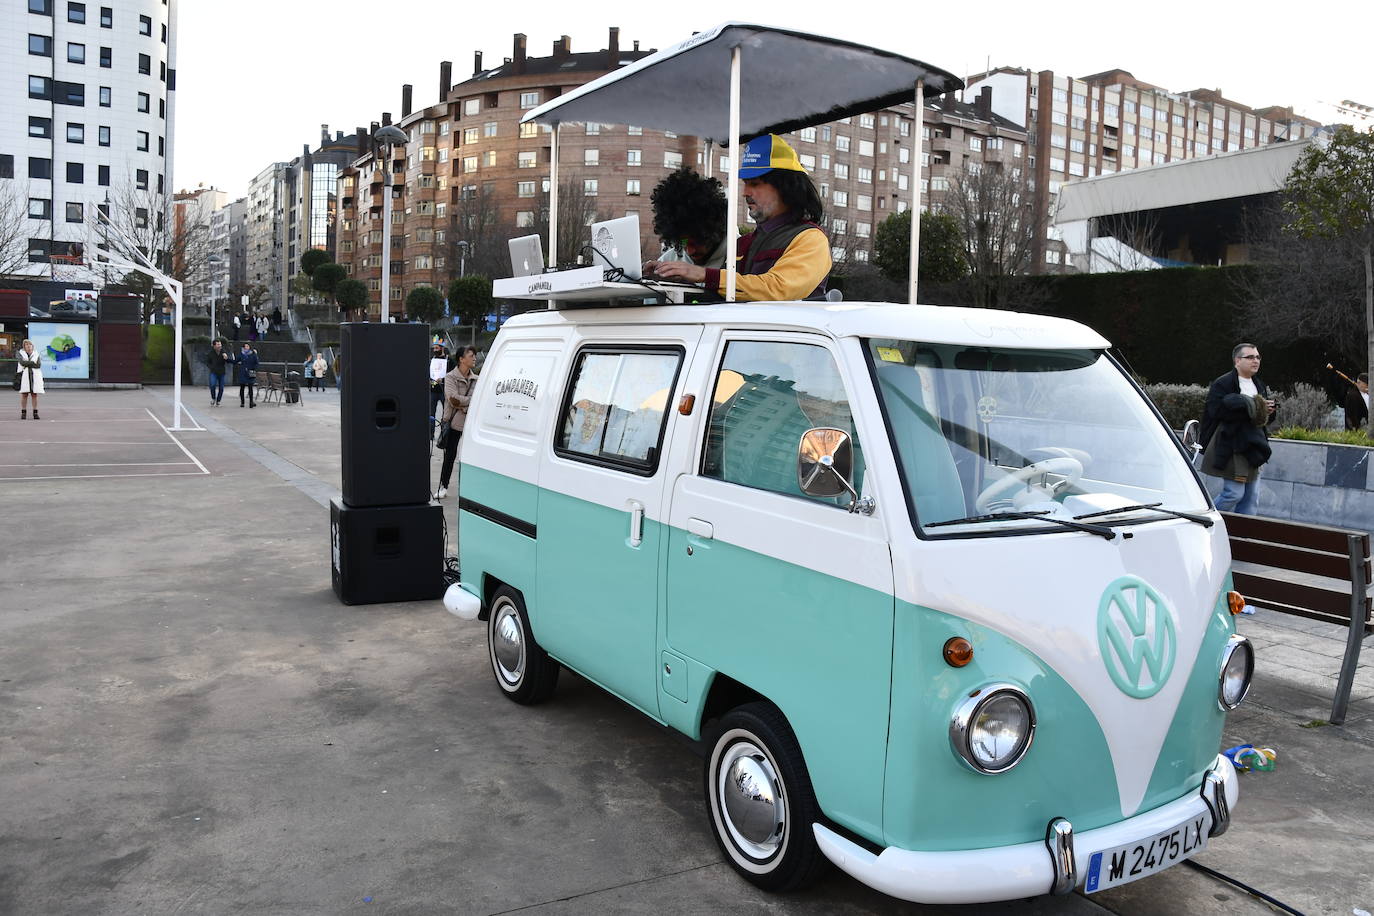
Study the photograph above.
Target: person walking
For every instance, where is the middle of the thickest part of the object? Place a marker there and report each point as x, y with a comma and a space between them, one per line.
276, 320
30, 378
215, 360
246, 373
308, 371
1234, 436
458, 387
321, 368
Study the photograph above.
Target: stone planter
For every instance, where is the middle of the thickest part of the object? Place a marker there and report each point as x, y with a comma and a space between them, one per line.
1323, 483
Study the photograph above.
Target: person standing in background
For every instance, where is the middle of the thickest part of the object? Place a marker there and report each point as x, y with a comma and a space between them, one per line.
458, 387
1234, 438
30, 378
1357, 402
320, 367
215, 360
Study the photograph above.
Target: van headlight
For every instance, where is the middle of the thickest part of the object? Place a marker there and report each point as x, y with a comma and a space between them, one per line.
992, 728
1237, 668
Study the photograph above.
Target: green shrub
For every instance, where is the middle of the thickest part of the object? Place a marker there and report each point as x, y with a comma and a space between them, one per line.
1340, 436
1305, 406
1178, 403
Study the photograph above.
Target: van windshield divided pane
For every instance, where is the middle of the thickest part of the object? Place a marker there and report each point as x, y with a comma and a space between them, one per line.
1060, 433
617, 405
767, 395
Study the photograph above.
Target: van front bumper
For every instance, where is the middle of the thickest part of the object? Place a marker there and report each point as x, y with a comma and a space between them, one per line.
1026, 869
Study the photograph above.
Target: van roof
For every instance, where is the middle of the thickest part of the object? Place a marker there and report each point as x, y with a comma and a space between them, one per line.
931, 323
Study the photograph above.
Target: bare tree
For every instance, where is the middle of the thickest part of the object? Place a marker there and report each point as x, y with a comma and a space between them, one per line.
996, 216
14, 227
576, 211
1302, 287
1136, 229
476, 240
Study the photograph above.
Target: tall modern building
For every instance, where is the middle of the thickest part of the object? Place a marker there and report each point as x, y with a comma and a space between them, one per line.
1111, 121
193, 228
265, 232
87, 109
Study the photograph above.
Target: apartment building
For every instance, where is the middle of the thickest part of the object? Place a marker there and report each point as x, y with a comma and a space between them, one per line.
87, 109
193, 242
265, 232
1111, 121
472, 176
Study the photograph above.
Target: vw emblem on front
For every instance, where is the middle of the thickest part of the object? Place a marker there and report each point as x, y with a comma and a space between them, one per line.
1137, 636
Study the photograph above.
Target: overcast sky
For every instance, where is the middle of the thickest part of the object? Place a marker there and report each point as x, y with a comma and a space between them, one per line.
256, 79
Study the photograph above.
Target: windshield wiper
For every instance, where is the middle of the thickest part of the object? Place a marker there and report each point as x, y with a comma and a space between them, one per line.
1202, 520
1038, 516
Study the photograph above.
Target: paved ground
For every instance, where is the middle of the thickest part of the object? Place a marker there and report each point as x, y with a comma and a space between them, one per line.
191, 723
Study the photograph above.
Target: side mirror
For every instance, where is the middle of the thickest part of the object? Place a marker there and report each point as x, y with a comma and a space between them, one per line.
1192, 432
825, 461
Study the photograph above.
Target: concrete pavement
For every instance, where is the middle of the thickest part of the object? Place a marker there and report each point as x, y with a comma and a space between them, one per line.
191, 723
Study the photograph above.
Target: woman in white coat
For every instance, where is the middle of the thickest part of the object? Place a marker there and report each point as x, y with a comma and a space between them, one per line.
320, 367
30, 379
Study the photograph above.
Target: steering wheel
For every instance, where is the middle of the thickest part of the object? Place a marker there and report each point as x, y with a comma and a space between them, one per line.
1071, 469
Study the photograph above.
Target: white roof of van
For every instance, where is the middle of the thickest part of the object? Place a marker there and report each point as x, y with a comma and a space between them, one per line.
930, 323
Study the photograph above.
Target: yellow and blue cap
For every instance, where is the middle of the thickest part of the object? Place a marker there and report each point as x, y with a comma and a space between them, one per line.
764, 154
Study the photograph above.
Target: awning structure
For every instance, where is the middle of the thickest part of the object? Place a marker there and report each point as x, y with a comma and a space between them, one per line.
788, 80
737, 81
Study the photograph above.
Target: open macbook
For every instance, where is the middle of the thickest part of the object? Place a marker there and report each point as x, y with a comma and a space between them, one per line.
617, 244
526, 256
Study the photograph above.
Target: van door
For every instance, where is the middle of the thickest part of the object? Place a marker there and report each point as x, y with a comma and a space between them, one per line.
787, 594
601, 508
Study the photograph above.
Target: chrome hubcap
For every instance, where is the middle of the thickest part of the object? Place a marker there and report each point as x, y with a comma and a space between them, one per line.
508, 645
752, 801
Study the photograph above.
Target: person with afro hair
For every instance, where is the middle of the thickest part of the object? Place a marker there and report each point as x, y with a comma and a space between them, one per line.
689, 218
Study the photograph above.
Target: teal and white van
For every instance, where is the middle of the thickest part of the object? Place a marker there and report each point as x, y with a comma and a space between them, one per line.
938, 589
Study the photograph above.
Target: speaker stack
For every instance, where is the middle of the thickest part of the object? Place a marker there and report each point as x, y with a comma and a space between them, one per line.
387, 536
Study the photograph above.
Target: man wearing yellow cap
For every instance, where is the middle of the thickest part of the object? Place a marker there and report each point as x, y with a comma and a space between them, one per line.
788, 255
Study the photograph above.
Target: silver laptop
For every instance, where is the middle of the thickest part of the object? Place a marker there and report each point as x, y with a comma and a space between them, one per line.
617, 241
526, 256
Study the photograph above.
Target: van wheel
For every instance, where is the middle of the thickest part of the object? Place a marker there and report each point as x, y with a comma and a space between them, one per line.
523, 670
761, 801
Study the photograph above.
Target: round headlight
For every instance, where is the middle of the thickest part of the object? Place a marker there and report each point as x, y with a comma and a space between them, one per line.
992, 728
1237, 668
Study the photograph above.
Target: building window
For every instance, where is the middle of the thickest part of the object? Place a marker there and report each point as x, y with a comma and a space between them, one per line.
144, 102
76, 12
41, 7
40, 127
40, 87
76, 173
76, 133
102, 175
524, 219
76, 213
589, 186
672, 160
40, 208
143, 140
593, 128
840, 198
424, 262
105, 96
489, 129
529, 129
865, 175
524, 189
526, 159
471, 134
841, 143
634, 157
106, 58
141, 178
71, 94
489, 159
632, 187
864, 202
591, 157
634, 131
472, 106
76, 53
6, 165
145, 64
866, 121
529, 99
975, 144
841, 171
40, 45
839, 226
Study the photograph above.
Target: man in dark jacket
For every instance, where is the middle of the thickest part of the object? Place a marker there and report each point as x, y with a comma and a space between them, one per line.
1357, 402
1235, 441
215, 361
245, 372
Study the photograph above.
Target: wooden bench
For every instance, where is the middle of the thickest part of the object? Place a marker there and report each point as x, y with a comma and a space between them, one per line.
1339, 555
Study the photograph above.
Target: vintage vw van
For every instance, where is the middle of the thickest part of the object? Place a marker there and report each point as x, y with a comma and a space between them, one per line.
937, 588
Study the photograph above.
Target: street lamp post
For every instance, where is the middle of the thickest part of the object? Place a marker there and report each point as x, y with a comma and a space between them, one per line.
462, 258
387, 139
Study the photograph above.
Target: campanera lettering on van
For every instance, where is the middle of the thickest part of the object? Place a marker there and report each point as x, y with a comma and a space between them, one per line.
937, 588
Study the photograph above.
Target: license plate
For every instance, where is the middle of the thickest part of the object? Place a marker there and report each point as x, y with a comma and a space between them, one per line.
1143, 858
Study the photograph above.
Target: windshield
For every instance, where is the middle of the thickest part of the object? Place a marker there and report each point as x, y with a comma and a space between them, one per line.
993, 440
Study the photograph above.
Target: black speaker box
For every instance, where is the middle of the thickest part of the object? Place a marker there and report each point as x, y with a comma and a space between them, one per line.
385, 414
388, 553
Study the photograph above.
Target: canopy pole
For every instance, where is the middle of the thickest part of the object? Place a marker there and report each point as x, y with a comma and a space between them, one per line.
553, 203
917, 146
710, 148
732, 200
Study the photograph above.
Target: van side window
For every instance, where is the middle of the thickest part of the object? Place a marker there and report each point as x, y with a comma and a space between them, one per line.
617, 405
767, 394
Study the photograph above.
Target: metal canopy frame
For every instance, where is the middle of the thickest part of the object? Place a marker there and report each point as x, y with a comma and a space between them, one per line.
794, 80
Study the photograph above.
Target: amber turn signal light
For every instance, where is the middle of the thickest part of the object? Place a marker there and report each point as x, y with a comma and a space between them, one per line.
958, 652
1235, 603
685, 405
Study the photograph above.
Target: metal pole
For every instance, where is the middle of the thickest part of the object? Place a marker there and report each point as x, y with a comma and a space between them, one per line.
918, 145
553, 196
732, 198
174, 287
386, 236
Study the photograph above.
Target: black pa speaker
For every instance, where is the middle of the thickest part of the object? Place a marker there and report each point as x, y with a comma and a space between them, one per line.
387, 553
385, 414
